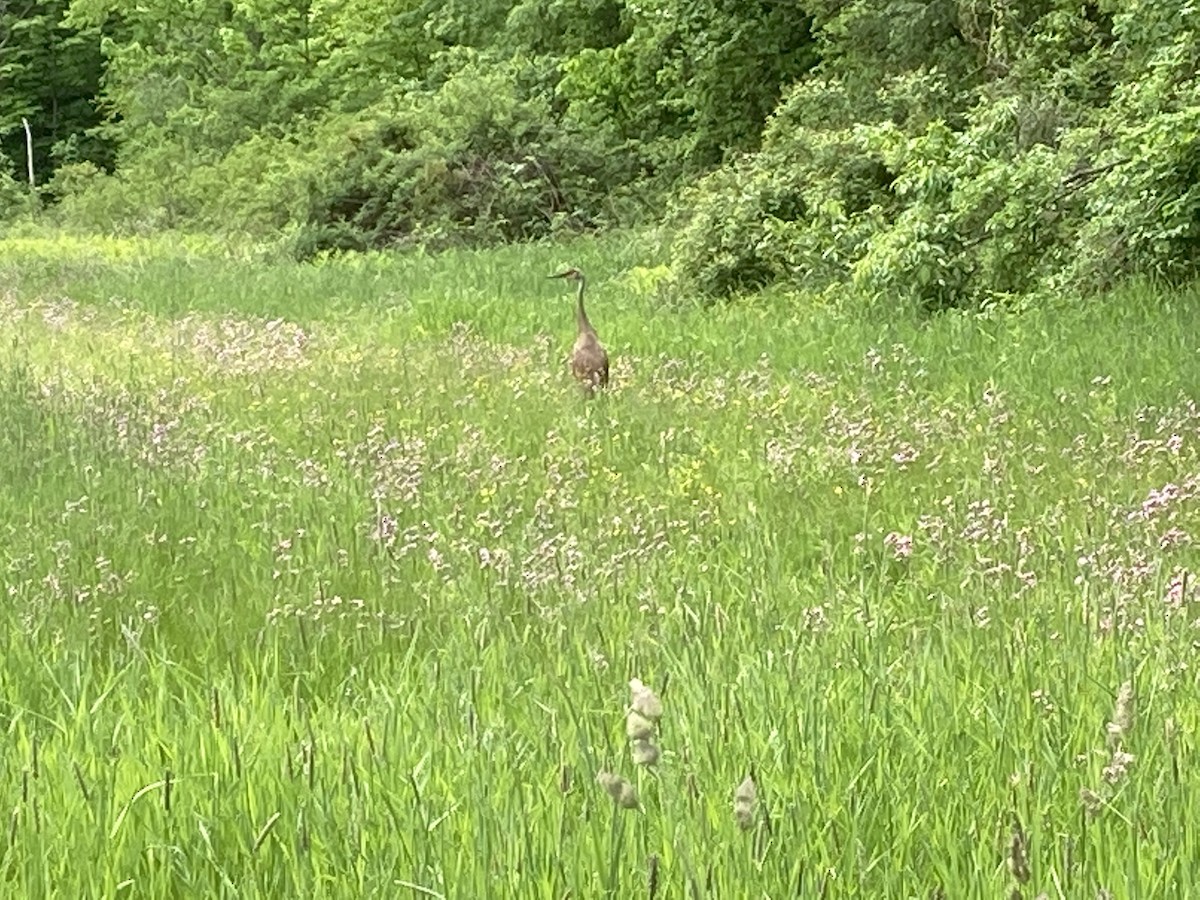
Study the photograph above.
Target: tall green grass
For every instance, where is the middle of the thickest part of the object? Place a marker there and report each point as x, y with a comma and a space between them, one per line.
323, 581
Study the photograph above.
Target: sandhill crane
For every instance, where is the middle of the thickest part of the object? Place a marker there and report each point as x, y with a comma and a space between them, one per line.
589, 360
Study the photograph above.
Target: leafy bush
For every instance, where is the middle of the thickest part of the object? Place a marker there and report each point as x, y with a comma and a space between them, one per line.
1069, 163
730, 241
16, 200
801, 209
160, 192
692, 80
473, 162
12, 196
476, 160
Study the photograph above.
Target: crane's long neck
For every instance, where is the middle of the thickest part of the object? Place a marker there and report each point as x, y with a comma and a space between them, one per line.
581, 318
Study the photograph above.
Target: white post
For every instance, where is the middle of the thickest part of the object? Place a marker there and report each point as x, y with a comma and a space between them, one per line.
28, 150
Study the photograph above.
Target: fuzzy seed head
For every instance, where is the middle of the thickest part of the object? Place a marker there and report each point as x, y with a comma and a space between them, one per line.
644, 701
643, 752
619, 789
744, 798
638, 727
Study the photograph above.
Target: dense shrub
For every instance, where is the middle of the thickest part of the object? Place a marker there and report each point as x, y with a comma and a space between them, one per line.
371, 122
802, 209
473, 162
14, 198
692, 81
1070, 161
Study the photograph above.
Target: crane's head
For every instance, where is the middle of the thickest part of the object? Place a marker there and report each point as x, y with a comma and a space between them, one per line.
571, 274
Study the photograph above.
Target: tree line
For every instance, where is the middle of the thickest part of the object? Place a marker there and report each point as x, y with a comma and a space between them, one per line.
957, 152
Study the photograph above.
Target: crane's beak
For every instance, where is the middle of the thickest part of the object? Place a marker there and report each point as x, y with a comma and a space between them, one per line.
560, 274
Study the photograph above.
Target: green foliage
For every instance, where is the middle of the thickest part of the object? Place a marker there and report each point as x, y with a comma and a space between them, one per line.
563, 28
954, 153
476, 24
218, 104
343, 125
693, 80
729, 241
472, 162
1021, 150
50, 74
15, 198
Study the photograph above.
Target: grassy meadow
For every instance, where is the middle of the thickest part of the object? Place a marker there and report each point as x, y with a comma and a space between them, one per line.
324, 581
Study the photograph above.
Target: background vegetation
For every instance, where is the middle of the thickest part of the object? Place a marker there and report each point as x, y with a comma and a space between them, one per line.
958, 152
321, 580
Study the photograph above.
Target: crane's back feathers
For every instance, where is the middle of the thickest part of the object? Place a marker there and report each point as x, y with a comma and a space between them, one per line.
589, 360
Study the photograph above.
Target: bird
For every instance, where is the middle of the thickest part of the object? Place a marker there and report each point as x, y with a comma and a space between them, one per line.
589, 359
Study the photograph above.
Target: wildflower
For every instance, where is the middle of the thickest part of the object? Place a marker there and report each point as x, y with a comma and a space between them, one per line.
901, 545
815, 619
1118, 766
385, 530
1173, 537
1122, 719
619, 789
1177, 590
1043, 701
905, 454
637, 726
1157, 501
744, 798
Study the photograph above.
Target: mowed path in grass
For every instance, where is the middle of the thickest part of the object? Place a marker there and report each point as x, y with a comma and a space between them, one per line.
324, 581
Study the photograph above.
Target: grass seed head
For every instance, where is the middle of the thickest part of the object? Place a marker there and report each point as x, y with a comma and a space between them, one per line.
619, 789
744, 798
644, 701
643, 752
638, 727
1122, 720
